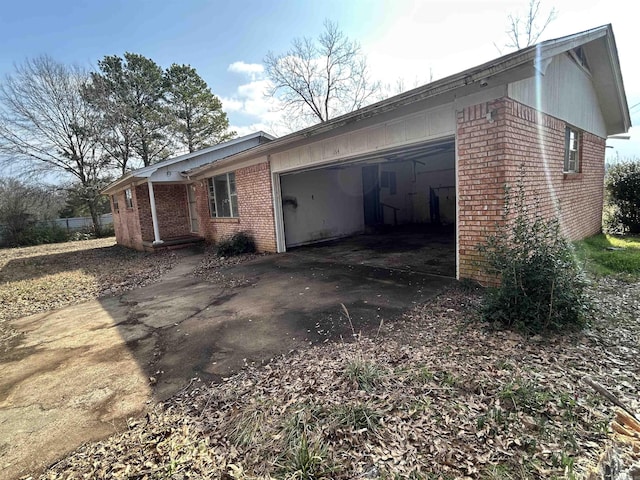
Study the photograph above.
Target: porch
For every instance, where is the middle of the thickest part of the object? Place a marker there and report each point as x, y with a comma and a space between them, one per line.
173, 243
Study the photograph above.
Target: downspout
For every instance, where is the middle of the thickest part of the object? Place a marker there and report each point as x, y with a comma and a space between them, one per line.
154, 215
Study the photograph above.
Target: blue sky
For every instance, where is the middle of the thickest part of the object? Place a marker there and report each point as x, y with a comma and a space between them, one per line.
226, 41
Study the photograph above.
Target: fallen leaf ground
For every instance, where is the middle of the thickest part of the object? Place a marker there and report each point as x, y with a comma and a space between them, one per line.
436, 394
46, 277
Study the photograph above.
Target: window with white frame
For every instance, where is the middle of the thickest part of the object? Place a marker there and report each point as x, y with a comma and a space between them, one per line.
114, 199
223, 199
572, 150
128, 198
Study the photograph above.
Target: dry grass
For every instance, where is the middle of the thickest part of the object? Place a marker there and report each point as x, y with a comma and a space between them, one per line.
46, 277
435, 396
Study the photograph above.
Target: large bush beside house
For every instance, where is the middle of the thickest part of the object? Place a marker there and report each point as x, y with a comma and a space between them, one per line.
540, 284
623, 193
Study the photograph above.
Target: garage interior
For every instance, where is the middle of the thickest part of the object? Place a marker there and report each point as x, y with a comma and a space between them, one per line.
394, 210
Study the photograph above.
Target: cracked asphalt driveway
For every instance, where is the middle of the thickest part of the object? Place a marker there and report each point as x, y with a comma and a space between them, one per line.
81, 371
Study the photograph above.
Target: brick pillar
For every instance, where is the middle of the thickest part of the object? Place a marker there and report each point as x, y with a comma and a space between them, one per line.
481, 175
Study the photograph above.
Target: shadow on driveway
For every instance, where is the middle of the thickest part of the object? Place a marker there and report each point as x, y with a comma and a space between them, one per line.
82, 370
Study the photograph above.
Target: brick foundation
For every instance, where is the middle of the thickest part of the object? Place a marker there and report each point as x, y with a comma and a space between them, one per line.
493, 149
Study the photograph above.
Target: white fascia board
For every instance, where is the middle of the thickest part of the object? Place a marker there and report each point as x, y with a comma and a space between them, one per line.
158, 171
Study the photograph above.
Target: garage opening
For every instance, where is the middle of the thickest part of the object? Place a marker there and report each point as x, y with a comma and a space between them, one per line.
396, 209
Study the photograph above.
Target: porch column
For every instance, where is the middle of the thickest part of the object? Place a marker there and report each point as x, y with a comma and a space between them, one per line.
154, 215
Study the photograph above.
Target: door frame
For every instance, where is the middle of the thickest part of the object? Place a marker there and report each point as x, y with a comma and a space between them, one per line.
193, 214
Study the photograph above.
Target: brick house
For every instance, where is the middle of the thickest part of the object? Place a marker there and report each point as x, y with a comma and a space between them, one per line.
439, 154
157, 202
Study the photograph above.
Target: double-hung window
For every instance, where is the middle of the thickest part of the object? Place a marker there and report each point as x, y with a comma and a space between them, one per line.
223, 199
571, 150
116, 207
128, 198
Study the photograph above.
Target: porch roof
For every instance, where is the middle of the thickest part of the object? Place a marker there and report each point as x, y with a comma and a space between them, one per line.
171, 170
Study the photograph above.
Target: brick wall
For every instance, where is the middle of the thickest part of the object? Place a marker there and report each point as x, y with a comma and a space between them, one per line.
126, 222
135, 225
492, 151
144, 212
255, 208
481, 176
172, 209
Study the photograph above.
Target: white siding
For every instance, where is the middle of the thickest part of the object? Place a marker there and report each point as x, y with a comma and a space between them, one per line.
428, 125
413, 185
322, 204
566, 92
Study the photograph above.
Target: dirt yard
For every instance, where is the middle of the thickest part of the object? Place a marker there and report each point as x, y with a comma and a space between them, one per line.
45, 277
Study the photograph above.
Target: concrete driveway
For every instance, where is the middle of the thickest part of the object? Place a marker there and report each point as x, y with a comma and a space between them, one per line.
79, 372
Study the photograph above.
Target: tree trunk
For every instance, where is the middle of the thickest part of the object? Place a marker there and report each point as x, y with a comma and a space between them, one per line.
95, 218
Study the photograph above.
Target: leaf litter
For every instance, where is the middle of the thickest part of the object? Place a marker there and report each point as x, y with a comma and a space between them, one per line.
434, 395
46, 277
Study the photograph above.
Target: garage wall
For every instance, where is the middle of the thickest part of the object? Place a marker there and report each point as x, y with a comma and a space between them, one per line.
431, 124
413, 187
322, 204
493, 151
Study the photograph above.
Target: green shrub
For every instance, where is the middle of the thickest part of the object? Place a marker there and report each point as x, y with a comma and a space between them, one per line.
42, 233
541, 286
237, 244
623, 196
106, 231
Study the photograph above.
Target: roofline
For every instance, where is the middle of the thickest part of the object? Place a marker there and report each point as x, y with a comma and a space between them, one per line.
534, 53
615, 64
146, 172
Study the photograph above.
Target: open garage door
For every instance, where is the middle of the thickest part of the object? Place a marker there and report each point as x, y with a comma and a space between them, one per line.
404, 198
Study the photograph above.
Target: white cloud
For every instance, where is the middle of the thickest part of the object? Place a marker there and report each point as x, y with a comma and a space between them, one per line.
232, 104
252, 69
250, 99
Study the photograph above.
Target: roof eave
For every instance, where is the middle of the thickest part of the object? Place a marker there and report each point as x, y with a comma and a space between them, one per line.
122, 182
532, 55
145, 172
621, 96
440, 87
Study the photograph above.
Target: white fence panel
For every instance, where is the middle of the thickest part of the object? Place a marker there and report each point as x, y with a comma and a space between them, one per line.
79, 223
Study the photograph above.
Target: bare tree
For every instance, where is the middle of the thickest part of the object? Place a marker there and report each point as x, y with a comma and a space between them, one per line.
46, 125
318, 79
117, 131
525, 31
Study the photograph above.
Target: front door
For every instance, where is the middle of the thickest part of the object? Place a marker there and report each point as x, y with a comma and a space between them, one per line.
371, 193
193, 210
